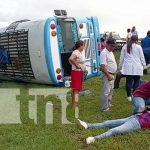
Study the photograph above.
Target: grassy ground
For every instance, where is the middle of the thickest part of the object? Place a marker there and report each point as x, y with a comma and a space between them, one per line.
70, 137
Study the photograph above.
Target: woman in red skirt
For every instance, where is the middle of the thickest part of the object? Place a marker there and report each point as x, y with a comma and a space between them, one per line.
78, 66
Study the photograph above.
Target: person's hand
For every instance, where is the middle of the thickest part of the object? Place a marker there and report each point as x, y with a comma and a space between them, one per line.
78, 67
110, 77
145, 67
83, 67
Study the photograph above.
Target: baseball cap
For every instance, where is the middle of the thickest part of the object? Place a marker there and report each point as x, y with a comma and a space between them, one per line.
111, 41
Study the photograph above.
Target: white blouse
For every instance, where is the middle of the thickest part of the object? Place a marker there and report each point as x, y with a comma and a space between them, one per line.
80, 59
133, 63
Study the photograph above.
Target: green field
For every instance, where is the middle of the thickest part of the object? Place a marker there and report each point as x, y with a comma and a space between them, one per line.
30, 136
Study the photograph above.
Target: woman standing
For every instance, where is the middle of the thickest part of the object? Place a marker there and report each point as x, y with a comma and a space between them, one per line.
132, 63
78, 66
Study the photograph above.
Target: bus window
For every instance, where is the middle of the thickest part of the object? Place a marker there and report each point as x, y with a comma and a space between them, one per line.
67, 33
87, 48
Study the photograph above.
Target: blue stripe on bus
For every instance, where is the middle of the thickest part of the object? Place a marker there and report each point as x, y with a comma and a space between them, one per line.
48, 53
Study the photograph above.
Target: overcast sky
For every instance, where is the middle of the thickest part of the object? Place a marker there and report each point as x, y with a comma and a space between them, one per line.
113, 15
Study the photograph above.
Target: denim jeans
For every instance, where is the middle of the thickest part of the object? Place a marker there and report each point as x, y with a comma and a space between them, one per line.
139, 104
118, 126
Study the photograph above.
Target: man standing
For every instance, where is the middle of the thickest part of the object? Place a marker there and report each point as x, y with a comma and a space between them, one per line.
108, 68
145, 43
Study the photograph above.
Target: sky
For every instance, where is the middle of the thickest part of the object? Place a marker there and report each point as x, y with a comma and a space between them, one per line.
113, 15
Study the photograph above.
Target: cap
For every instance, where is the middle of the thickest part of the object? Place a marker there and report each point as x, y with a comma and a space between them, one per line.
111, 41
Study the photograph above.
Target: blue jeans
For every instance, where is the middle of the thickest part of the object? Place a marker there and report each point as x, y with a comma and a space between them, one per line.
118, 126
139, 104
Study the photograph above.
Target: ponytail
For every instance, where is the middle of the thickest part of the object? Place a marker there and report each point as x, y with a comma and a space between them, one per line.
134, 39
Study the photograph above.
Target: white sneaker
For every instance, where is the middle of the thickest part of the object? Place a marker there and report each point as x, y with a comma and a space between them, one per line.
90, 140
82, 123
105, 110
129, 98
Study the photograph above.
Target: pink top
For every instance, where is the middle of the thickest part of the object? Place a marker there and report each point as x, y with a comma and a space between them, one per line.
103, 45
99, 46
144, 119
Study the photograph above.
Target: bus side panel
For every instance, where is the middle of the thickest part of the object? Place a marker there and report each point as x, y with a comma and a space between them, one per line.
52, 51
36, 51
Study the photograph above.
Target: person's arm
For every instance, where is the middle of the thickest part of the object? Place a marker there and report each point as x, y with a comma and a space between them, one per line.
104, 70
73, 61
142, 43
142, 57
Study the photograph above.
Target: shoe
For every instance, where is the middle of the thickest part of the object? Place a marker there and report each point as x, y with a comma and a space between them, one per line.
129, 98
110, 105
82, 123
90, 140
106, 110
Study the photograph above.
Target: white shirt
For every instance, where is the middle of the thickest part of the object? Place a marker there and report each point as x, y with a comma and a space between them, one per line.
133, 63
129, 35
80, 59
107, 58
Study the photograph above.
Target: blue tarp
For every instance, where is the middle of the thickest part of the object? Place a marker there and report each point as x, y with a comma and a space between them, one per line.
4, 59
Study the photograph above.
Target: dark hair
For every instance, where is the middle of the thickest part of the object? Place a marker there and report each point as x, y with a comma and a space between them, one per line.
111, 41
134, 39
128, 30
78, 44
148, 33
102, 39
133, 29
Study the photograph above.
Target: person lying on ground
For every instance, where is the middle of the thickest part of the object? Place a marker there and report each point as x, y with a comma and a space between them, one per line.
118, 126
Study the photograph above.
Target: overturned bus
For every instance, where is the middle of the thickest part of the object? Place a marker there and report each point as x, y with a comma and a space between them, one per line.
38, 51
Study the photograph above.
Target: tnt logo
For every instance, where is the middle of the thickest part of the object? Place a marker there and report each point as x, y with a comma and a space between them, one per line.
33, 105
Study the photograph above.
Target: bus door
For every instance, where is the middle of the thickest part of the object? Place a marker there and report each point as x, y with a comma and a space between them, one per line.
67, 36
83, 35
93, 47
95, 37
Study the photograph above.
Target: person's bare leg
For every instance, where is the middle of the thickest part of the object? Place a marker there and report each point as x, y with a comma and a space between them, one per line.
75, 98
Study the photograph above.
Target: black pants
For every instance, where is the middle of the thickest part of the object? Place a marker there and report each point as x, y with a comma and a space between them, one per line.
132, 82
117, 79
147, 60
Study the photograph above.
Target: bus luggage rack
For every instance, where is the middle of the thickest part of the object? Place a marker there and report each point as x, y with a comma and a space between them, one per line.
13, 25
16, 45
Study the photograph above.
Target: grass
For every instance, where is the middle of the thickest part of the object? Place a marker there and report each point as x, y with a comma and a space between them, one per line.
27, 136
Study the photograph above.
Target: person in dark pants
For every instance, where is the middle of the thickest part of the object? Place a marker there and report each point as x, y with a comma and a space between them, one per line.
145, 43
117, 80
132, 64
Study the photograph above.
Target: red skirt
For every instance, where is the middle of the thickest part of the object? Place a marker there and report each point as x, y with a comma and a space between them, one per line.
76, 79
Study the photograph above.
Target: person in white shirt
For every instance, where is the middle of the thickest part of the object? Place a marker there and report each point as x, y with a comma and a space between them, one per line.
132, 63
108, 68
129, 34
78, 66
133, 31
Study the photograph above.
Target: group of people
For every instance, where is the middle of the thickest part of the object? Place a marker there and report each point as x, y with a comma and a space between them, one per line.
139, 119
132, 64
131, 32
